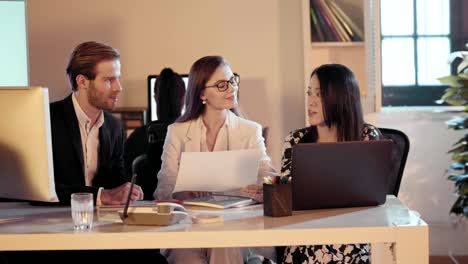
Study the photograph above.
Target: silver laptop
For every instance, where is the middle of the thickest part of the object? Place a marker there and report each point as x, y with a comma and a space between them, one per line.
343, 174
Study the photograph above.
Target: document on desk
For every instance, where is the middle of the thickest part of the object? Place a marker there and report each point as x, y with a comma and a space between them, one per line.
217, 171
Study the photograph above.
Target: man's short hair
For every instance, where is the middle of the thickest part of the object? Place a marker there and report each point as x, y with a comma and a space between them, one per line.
84, 59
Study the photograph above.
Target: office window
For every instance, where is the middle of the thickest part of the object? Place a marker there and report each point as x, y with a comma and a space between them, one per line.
13, 50
415, 48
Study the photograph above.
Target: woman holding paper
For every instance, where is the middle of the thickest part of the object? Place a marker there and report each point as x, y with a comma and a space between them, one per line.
211, 122
335, 114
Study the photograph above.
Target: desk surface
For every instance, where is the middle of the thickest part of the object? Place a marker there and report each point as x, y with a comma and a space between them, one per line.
50, 228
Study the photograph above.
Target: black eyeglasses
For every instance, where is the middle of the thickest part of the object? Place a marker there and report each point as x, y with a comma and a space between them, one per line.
224, 85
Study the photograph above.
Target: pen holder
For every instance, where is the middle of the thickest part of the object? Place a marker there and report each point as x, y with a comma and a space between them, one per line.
277, 200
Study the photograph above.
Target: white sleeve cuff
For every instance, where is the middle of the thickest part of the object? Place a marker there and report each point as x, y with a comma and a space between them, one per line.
98, 199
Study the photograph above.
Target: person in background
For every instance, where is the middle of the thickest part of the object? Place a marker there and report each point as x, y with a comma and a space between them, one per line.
169, 94
87, 141
335, 114
211, 122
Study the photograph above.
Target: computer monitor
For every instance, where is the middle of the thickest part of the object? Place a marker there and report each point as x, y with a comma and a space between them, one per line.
26, 164
151, 103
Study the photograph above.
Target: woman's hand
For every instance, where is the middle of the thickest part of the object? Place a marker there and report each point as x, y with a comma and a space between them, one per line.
254, 191
185, 195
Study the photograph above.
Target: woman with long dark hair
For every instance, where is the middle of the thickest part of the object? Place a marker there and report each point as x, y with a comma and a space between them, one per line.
169, 94
335, 114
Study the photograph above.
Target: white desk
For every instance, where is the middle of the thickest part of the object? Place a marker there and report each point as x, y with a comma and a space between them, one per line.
50, 228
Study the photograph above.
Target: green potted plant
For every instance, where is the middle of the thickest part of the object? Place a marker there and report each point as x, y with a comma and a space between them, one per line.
457, 94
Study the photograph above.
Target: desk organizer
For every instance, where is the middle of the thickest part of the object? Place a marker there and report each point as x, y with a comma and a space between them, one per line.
277, 200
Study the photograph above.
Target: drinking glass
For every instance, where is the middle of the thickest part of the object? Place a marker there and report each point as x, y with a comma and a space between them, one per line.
82, 210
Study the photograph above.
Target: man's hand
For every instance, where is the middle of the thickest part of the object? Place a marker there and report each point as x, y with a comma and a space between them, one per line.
119, 194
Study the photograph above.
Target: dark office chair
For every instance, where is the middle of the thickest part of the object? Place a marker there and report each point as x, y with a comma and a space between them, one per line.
147, 140
399, 155
147, 179
156, 136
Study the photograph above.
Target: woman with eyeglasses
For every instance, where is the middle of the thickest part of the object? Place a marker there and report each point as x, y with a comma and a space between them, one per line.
335, 114
211, 122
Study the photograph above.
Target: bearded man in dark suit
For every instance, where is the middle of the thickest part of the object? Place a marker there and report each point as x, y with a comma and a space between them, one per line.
87, 141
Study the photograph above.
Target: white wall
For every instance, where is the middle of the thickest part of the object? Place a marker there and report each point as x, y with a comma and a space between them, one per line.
261, 39
424, 185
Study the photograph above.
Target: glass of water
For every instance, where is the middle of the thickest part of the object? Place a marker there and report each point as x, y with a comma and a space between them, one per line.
82, 210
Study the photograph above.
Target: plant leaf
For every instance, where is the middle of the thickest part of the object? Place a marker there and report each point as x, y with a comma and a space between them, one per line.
462, 93
449, 92
461, 148
463, 83
462, 66
463, 75
455, 102
460, 157
457, 166
462, 186
451, 80
457, 207
463, 140
458, 122
458, 177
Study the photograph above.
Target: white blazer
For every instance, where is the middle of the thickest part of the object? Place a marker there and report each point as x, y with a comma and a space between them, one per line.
186, 137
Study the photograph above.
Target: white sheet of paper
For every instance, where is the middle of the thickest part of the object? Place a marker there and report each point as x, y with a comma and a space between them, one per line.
217, 171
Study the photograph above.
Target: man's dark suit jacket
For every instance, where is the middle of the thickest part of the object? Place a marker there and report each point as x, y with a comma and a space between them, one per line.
68, 153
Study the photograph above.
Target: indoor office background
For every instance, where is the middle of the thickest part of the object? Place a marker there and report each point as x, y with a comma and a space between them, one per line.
267, 42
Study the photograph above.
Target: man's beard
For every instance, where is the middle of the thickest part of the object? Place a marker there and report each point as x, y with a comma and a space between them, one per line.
96, 100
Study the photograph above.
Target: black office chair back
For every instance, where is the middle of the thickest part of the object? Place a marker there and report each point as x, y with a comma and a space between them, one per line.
147, 140
156, 132
147, 179
399, 156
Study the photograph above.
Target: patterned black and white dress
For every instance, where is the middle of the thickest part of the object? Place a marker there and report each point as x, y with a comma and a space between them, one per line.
339, 254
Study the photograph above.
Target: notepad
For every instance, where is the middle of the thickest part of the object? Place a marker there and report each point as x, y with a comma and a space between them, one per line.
220, 201
217, 171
